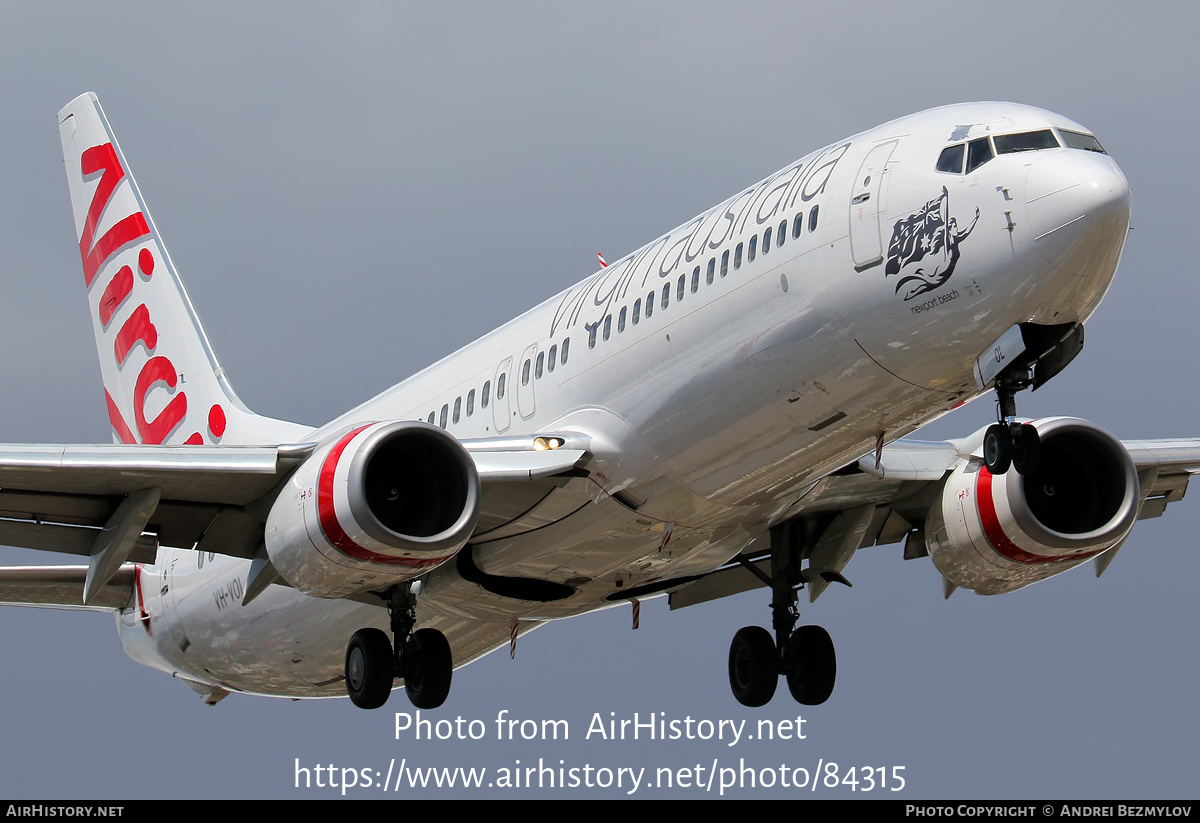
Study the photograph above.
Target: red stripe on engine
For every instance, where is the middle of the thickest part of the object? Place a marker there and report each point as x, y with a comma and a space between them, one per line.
327, 515
994, 532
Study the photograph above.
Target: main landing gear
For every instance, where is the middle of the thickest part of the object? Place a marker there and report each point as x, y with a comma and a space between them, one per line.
422, 658
804, 656
806, 660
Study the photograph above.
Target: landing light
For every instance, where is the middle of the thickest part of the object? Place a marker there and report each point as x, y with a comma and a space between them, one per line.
541, 444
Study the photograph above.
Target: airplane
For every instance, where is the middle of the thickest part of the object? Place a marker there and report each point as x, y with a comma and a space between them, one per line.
696, 419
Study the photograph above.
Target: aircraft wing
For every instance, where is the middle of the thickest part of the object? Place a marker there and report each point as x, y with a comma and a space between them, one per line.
879, 502
59, 498
116, 504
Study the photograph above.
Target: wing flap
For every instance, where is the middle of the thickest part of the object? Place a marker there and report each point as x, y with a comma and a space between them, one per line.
61, 587
1164, 469
76, 540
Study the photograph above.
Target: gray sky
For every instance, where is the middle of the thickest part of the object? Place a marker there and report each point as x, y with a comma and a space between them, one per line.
352, 192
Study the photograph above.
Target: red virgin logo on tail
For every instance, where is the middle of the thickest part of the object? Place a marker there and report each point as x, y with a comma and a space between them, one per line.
96, 254
137, 328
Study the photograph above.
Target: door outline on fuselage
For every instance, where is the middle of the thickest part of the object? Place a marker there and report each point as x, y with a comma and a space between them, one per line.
526, 379
501, 403
867, 206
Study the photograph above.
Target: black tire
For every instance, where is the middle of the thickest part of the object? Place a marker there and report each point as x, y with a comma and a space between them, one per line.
1027, 450
370, 668
812, 665
429, 668
997, 448
753, 666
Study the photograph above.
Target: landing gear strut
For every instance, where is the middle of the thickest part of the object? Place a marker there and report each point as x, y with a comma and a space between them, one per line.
1007, 442
804, 656
1036, 355
422, 658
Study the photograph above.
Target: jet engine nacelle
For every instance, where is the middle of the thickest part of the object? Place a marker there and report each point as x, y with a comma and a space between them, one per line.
995, 534
379, 505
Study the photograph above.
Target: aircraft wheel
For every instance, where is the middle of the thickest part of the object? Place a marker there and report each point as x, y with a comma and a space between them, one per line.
1027, 449
753, 666
997, 448
429, 669
370, 668
810, 665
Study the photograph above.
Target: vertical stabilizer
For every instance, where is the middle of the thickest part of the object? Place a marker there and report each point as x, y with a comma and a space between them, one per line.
162, 382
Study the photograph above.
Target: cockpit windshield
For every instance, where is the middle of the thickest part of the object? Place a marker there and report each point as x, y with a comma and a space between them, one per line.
979, 151
1079, 140
1025, 141
951, 158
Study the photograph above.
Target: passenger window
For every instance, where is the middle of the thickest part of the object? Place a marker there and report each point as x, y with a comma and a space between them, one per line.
712, 270
607, 325
695, 279
445, 413
525, 373
666, 295
725, 263
470, 402
951, 159
591, 330
797, 225
812, 220
637, 310
500, 381
457, 408
781, 233
487, 390
537, 370
621, 320
566, 343
649, 304
737, 257
753, 250
767, 240
978, 152
553, 356
679, 291
431, 418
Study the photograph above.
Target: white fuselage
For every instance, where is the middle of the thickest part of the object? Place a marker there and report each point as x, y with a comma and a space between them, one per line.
714, 412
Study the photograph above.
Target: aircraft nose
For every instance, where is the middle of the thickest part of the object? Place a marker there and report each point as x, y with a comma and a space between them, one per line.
1078, 204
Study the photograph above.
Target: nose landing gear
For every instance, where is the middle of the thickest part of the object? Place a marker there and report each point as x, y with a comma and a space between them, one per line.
1009, 443
1031, 358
